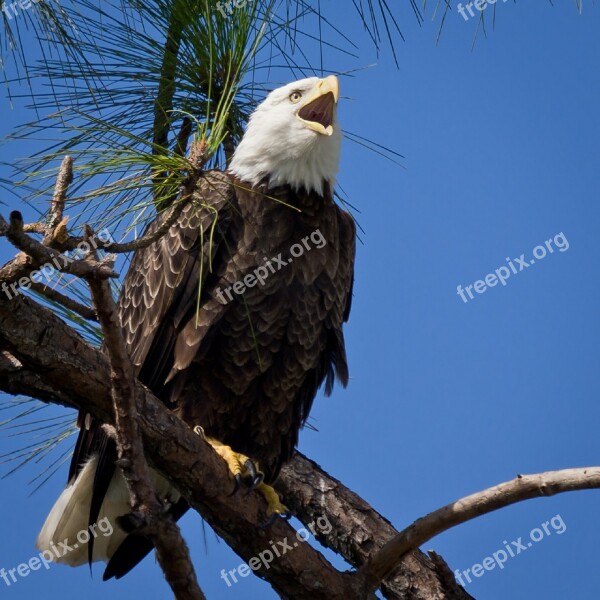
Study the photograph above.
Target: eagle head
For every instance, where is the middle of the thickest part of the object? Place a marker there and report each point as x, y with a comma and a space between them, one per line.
293, 137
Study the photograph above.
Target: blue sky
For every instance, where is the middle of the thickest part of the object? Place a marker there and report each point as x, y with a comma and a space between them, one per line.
446, 397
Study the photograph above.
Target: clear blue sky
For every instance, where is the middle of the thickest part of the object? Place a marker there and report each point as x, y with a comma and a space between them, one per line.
446, 397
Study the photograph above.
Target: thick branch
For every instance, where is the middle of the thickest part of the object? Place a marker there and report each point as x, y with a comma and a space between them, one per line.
358, 531
13, 270
42, 342
46, 345
17, 380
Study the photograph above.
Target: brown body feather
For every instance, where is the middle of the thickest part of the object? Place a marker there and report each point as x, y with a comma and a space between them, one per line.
247, 369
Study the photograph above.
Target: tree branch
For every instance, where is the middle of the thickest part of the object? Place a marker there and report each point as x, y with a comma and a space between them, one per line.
44, 344
63, 180
358, 531
43, 255
17, 380
171, 550
81, 309
523, 487
58, 358
61, 360
145, 240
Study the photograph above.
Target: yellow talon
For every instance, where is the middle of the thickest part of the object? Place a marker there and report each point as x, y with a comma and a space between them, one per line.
242, 466
235, 461
239, 464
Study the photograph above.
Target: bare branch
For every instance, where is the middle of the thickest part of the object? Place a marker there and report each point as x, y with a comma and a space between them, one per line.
40, 228
18, 267
523, 487
42, 255
56, 235
55, 228
63, 180
197, 159
145, 240
171, 550
81, 309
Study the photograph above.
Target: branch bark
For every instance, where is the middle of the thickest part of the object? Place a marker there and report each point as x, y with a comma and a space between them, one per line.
358, 531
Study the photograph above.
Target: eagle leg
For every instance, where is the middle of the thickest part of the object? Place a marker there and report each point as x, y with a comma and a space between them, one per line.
245, 469
241, 467
275, 508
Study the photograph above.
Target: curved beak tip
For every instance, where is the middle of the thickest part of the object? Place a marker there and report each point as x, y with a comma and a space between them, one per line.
330, 84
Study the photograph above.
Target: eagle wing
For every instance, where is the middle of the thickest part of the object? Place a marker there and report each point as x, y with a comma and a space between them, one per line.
160, 289
163, 282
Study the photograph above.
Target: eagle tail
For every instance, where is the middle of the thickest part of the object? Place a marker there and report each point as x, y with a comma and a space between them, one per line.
67, 531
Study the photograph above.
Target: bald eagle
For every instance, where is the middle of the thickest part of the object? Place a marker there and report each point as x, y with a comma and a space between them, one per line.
233, 318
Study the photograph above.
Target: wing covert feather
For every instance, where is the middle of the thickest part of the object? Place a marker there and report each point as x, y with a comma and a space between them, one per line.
165, 276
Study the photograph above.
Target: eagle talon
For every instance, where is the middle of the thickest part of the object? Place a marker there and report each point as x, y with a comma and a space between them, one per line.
286, 516
242, 468
237, 483
256, 476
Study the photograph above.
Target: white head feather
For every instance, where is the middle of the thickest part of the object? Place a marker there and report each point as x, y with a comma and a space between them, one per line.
286, 149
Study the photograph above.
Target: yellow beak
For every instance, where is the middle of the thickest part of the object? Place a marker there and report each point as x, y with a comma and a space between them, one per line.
318, 109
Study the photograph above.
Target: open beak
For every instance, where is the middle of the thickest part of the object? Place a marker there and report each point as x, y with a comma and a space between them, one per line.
318, 109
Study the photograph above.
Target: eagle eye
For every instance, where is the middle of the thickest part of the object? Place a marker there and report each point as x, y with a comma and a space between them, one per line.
295, 97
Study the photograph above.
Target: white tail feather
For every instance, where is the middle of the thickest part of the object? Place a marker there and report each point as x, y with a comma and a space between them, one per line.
67, 524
